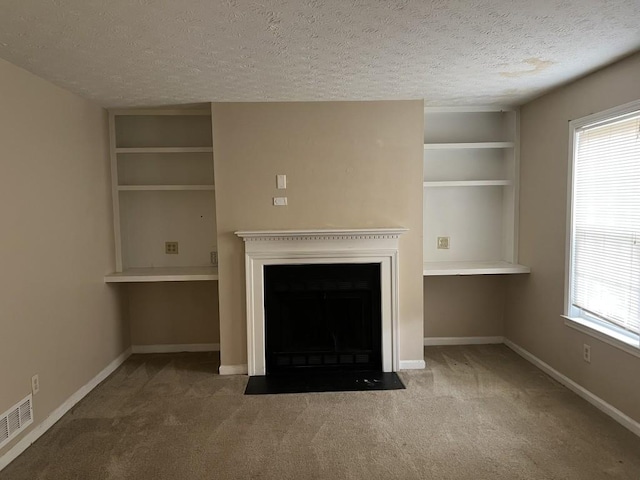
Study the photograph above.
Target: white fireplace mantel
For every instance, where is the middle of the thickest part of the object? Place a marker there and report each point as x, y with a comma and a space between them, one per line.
287, 247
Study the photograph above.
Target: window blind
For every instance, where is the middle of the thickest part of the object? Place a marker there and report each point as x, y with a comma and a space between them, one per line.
606, 221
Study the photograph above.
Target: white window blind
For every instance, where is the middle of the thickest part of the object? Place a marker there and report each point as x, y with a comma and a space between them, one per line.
605, 267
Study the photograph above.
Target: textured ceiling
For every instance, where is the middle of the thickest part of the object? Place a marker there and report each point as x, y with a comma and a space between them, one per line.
449, 52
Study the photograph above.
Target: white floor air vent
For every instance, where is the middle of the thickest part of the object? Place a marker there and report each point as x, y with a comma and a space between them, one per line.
15, 420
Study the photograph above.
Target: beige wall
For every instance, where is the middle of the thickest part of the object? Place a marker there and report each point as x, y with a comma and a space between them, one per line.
348, 164
169, 313
58, 319
535, 301
464, 306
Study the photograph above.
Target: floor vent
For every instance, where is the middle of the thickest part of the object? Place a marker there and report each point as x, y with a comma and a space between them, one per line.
15, 420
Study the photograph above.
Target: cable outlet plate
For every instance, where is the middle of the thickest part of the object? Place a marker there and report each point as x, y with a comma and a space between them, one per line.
443, 243
171, 248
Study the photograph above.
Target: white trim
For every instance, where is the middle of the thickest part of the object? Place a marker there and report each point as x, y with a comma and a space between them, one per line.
466, 145
164, 150
606, 335
472, 268
435, 341
57, 414
512, 243
186, 347
322, 234
115, 198
412, 364
234, 369
574, 126
605, 115
152, 188
470, 109
322, 246
466, 183
594, 400
163, 274
201, 112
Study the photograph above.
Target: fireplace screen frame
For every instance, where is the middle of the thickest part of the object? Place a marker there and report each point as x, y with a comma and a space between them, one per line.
322, 317
320, 247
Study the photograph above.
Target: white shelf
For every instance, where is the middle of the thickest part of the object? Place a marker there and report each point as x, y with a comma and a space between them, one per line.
164, 150
460, 146
467, 183
471, 147
124, 188
155, 152
472, 268
154, 112
163, 274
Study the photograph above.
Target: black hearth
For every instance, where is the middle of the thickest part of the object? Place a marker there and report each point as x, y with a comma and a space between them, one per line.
322, 318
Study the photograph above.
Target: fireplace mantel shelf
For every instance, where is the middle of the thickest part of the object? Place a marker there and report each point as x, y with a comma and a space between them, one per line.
321, 234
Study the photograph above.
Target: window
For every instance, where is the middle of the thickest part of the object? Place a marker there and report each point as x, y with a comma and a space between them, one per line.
603, 281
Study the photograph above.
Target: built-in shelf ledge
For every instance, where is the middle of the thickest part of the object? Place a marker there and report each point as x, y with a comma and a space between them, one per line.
466, 183
163, 274
164, 150
154, 112
124, 188
460, 146
472, 268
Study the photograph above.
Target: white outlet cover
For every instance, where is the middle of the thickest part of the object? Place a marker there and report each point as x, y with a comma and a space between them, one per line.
280, 201
281, 182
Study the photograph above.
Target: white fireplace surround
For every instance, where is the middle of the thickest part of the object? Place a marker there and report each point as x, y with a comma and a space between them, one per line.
290, 247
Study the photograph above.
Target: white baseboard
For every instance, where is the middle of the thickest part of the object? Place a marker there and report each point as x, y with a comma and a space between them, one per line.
594, 400
434, 341
48, 422
186, 347
234, 369
412, 364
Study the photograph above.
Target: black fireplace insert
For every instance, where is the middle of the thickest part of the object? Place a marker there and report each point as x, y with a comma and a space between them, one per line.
322, 317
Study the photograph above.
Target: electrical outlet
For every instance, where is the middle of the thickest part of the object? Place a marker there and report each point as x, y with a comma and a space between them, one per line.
443, 243
35, 384
171, 248
586, 353
214, 258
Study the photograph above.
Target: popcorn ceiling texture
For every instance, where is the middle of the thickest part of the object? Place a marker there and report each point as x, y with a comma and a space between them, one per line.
161, 52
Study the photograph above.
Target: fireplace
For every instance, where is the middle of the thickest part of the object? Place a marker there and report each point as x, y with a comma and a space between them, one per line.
324, 253
322, 317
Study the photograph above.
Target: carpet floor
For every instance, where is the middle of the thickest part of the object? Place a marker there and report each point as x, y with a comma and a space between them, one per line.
476, 412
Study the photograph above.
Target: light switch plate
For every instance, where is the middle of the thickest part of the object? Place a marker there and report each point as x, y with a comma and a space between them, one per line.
281, 182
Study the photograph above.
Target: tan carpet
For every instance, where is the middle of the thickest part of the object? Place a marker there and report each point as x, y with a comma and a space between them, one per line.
475, 413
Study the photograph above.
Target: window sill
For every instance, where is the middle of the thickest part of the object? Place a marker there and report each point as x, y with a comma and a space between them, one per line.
610, 337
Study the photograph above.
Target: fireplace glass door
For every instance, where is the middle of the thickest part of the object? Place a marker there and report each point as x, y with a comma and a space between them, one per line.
322, 317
